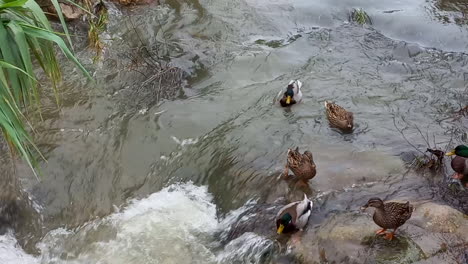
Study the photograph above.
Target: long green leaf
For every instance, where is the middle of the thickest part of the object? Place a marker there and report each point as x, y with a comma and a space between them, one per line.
7, 52
62, 21
47, 35
5, 90
17, 3
23, 48
16, 136
4, 64
38, 14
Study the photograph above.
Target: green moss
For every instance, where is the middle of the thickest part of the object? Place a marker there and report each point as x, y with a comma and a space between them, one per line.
272, 43
399, 250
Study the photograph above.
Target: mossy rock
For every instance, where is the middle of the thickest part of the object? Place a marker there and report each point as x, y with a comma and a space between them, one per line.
399, 250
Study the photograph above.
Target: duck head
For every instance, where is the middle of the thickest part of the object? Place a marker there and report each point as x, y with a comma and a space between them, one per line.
289, 94
460, 150
283, 222
373, 202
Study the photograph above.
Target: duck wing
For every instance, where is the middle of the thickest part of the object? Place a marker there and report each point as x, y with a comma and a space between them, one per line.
278, 96
289, 208
303, 210
460, 165
297, 90
398, 213
335, 111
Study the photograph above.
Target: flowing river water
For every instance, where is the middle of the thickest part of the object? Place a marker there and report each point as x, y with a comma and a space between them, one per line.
136, 173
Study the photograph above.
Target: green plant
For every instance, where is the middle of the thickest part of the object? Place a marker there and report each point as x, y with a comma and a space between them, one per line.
97, 25
26, 36
360, 16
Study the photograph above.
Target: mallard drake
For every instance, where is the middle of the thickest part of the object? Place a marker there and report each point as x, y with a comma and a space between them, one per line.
460, 163
339, 117
293, 216
302, 165
293, 94
390, 215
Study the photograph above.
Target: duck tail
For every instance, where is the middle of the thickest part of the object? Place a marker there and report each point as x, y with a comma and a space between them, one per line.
299, 84
326, 104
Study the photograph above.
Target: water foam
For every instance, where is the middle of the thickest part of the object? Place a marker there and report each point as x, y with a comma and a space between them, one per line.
170, 226
175, 225
12, 253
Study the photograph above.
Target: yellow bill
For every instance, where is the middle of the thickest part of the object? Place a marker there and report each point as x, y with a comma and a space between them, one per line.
288, 99
280, 229
451, 153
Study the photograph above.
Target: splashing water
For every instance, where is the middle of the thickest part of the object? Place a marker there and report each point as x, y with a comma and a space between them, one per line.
174, 225
12, 253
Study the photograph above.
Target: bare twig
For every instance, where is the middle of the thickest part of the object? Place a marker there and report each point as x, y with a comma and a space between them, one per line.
406, 139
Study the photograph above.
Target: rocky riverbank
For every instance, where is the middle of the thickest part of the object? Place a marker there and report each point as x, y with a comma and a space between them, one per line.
338, 232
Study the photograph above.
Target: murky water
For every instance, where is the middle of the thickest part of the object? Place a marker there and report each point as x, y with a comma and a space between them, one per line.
120, 139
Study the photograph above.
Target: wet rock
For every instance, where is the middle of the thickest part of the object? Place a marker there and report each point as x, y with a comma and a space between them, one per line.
8, 215
9, 186
258, 219
404, 50
70, 12
454, 195
16, 210
441, 218
400, 51
413, 50
435, 232
349, 237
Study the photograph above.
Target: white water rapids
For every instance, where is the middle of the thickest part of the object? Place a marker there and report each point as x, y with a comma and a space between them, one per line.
174, 225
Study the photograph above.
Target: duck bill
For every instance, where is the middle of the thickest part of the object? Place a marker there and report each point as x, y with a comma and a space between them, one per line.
451, 153
288, 99
280, 229
363, 208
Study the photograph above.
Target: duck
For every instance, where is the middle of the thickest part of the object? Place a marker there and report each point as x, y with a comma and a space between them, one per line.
293, 94
460, 163
293, 216
339, 117
302, 165
390, 215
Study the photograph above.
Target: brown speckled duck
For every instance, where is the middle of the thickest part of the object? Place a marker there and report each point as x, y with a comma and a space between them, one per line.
339, 117
390, 215
460, 163
302, 165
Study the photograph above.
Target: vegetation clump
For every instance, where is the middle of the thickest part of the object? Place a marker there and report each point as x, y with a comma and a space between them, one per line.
27, 38
360, 16
97, 25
